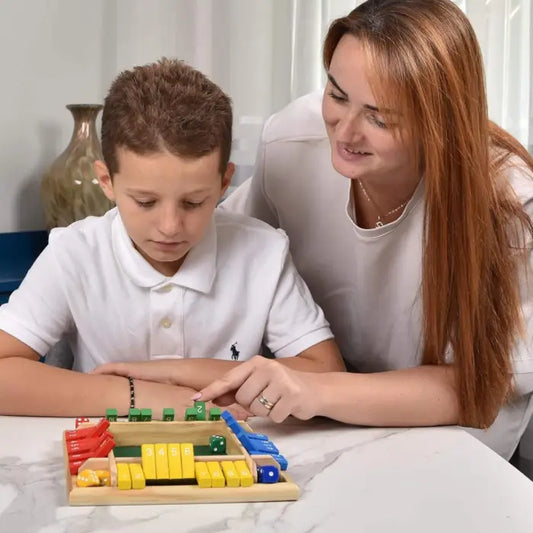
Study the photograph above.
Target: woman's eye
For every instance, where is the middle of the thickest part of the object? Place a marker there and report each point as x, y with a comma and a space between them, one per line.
336, 97
375, 119
145, 203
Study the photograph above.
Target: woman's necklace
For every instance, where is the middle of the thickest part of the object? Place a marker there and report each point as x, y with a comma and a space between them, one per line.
379, 221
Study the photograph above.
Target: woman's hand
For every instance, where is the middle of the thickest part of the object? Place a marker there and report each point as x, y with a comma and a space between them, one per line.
266, 388
156, 396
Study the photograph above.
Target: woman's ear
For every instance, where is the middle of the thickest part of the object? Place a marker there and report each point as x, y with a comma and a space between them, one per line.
104, 179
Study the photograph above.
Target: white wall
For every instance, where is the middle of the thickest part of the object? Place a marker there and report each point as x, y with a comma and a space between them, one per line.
262, 53
56, 52
51, 54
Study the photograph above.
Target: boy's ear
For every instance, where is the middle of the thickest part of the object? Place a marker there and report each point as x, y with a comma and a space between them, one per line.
226, 179
104, 179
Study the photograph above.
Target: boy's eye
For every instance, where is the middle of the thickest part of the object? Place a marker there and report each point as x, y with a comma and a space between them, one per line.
192, 205
145, 203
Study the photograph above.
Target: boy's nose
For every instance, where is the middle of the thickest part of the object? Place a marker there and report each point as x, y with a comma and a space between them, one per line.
170, 223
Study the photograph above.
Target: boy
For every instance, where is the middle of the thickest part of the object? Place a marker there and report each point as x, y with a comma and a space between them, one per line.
159, 276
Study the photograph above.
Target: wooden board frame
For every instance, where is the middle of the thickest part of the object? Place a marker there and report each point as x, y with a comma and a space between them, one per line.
197, 432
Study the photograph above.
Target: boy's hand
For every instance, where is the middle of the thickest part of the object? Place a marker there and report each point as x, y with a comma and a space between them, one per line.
156, 395
266, 388
161, 371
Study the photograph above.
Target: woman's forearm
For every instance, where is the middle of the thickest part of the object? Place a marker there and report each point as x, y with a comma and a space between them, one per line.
421, 396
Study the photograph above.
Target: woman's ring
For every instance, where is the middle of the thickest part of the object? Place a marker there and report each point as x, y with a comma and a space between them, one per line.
264, 402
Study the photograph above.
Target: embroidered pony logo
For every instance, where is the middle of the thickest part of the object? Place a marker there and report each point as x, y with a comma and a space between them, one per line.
234, 352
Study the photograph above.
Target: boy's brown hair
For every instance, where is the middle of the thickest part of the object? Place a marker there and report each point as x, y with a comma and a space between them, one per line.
166, 106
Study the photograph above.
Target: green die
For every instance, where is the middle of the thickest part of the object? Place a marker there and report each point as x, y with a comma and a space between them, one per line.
111, 415
168, 414
134, 415
191, 413
214, 413
200, 410
217, 444
146, 415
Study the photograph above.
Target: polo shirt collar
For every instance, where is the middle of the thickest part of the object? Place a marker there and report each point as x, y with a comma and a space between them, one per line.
197, 272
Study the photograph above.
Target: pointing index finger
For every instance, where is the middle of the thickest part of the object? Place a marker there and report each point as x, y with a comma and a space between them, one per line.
229, 382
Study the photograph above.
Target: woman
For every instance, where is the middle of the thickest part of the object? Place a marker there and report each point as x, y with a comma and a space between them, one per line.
421, 276
419, 258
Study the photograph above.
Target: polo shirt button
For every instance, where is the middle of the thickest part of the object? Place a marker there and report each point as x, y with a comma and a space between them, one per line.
166, 288
165, 323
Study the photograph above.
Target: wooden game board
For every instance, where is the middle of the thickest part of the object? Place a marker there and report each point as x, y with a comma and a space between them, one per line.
198, 432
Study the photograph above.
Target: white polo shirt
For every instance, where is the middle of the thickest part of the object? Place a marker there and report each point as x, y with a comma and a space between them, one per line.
238, 285
367, 281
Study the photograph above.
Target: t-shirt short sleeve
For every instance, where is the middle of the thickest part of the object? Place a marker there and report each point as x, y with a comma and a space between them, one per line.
37, 313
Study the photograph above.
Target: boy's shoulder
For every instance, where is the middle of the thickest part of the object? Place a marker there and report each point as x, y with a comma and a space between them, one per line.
90, 231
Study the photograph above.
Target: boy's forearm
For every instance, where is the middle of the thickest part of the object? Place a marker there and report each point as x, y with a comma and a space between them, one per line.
421, 396
198, 373
32, 388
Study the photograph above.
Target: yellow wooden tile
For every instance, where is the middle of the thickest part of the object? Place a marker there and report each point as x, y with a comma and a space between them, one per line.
123, 476
202, 474
161, 461
217, 477
148, 461
230, 473
174, 461
137, 476
187, 460
244, 473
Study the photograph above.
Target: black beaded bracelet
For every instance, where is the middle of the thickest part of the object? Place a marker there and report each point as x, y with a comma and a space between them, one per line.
132, 393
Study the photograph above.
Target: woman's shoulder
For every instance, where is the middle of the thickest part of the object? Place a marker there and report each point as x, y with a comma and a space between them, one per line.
520, 178
249, 231
298, 121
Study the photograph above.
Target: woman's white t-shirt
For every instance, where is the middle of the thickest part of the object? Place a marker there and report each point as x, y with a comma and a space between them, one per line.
367, 281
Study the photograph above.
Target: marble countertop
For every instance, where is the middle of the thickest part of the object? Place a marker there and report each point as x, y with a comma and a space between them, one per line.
355, 479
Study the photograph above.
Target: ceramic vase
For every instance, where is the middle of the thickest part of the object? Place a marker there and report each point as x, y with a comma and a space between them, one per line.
69, 189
